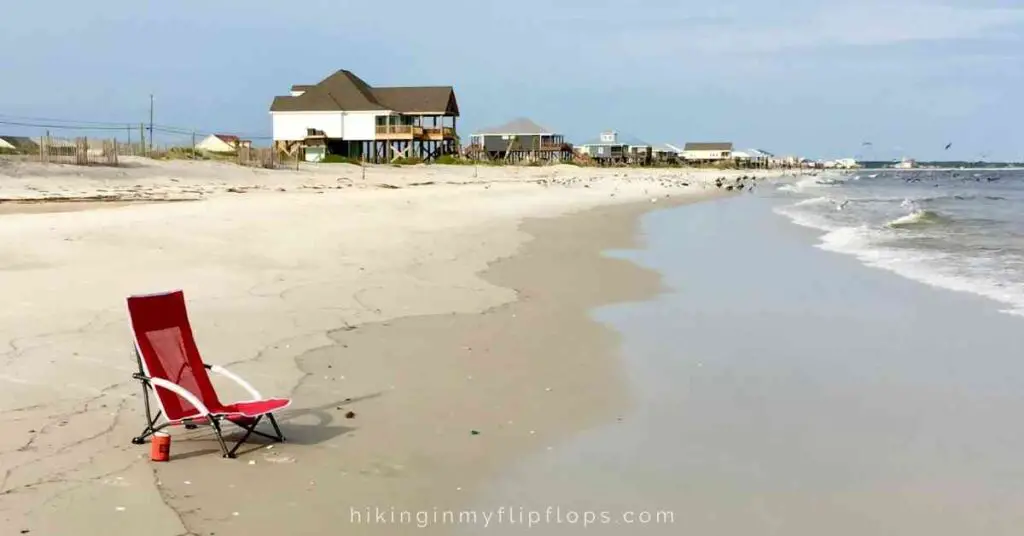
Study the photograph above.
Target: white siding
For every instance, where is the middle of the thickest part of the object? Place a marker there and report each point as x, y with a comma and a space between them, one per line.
706, 155
291, 126
361, 125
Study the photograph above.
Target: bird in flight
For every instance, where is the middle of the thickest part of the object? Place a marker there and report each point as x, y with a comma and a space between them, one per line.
948, 145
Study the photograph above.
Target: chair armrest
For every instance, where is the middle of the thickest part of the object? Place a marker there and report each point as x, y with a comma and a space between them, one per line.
180, 391
233, 377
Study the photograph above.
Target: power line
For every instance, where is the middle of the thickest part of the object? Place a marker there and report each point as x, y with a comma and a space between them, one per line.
65, 127
68, 124
52, 120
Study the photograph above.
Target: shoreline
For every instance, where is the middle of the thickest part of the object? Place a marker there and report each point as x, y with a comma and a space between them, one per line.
815, 396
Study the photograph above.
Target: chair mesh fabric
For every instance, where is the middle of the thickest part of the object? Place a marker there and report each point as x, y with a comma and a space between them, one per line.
168, 349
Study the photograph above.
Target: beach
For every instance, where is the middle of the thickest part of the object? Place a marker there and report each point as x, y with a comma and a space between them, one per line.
445, 307
786, 389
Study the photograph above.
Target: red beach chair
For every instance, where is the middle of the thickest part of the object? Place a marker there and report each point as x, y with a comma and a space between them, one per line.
170, 366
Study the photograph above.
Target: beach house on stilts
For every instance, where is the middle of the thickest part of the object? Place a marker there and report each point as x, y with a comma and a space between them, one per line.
519, 140
344, 116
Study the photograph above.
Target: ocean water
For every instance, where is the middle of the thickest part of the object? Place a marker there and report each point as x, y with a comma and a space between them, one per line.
782, 390
962, 229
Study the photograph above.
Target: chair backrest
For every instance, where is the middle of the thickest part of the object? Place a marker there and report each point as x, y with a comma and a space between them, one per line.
167, 348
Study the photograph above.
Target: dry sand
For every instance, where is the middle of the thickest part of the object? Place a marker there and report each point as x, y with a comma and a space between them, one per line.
347, 295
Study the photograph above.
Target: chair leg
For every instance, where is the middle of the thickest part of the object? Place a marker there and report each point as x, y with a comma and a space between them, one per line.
277, 429
149, 429
248, 432
220, 438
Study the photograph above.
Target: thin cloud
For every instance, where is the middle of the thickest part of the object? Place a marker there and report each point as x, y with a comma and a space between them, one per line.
842, 25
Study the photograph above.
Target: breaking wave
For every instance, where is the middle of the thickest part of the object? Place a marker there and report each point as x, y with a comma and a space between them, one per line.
918, 218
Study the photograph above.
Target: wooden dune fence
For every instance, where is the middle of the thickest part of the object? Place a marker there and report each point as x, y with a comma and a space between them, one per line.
78, 151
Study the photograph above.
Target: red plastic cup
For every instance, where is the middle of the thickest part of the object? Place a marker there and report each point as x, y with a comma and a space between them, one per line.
160, 447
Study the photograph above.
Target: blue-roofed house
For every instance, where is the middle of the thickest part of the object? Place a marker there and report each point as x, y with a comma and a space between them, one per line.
752, 158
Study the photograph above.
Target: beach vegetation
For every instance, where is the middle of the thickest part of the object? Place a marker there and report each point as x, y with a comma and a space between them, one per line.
339, 159
452, 160
406, 161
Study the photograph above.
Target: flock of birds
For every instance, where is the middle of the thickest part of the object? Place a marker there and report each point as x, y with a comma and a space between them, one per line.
745, 182
586, 182
962, 178
738, 184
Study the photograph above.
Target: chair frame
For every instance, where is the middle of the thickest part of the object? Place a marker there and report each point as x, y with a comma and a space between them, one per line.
205, 416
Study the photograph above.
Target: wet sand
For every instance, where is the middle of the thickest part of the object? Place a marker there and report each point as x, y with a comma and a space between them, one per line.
780, 389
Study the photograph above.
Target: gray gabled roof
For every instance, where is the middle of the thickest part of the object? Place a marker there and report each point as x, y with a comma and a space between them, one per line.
521, 125
716, 146
340, 91
440, 99
343, 91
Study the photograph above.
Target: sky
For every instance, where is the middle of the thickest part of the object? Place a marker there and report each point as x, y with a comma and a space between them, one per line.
817, 79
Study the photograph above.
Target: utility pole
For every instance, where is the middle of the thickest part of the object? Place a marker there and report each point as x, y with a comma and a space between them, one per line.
193, 145
150, 122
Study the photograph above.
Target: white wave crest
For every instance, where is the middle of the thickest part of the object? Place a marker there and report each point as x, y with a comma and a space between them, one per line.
942, 270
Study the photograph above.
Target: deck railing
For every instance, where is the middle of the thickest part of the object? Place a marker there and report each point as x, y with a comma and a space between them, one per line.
400, 129
551, 146
415, 130
446, 132
546, 146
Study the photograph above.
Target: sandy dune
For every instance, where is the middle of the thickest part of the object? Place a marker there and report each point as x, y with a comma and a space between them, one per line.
142, 179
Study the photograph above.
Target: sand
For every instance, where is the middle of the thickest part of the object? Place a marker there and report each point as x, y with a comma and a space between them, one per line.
317, 283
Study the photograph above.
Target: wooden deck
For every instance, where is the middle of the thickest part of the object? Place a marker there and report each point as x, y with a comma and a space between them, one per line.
438, 133
413, 132
398, 132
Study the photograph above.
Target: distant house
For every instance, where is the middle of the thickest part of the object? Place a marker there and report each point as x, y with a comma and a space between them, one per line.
842, 163
365, 122
610, 147
752, 158
606, 148
640, 153
221, 143
520, 139
666, 153
18, 144
707, 152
